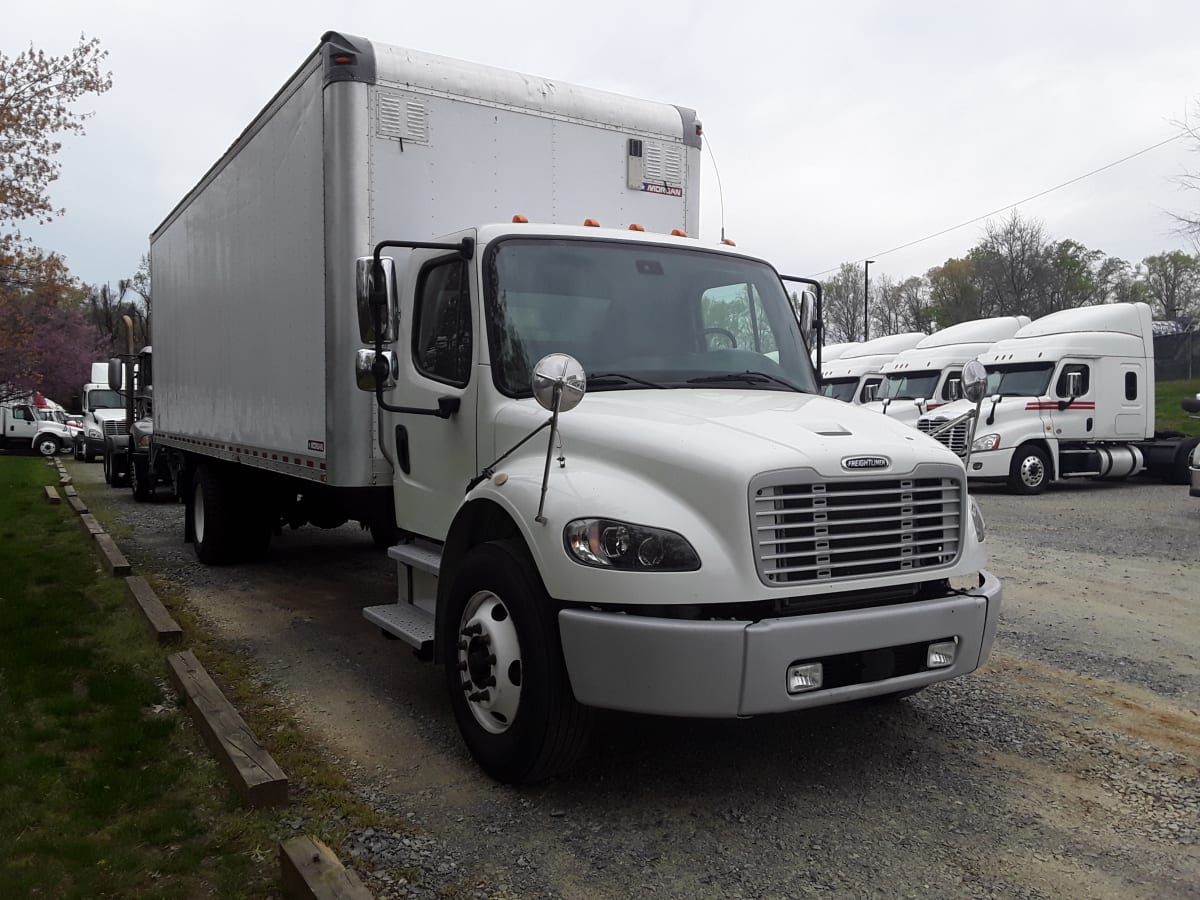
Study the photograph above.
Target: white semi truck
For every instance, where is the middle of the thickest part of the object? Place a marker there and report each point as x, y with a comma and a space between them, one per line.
856, 373
919, 380
1070, 395
354, 320
103, 414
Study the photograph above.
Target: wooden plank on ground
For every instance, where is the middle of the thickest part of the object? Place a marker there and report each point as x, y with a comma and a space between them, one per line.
165, 628
78, 505
254, 773
113, 558
70, 491
52, 494
64, 480
89, 524
310, 870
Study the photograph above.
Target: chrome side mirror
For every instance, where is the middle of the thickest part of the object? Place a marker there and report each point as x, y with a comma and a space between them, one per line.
806, 317
372, 289
559, 382
1074, 384
954, 388
870, 393
364, 370
974, 380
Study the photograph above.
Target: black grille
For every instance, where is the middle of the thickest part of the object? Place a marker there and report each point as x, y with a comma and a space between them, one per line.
825, 531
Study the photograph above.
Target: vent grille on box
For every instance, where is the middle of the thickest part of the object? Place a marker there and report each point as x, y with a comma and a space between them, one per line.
662, 163
807, 530
404, 118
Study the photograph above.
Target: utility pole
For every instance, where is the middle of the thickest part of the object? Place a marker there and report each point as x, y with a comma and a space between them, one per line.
866, 299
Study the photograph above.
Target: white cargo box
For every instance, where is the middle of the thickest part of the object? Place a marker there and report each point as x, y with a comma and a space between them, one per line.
255, 321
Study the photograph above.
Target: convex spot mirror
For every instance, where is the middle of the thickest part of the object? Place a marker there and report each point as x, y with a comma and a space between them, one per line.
372, 289
364, 370
974, 380
559, 382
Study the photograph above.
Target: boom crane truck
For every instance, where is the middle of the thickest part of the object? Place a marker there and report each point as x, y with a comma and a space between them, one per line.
384, 303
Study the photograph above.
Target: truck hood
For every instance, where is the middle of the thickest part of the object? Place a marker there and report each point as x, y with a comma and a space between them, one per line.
109, 415
726, 433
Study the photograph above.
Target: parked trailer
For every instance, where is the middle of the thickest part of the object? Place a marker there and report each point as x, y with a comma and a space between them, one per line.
370, 309
1071, 395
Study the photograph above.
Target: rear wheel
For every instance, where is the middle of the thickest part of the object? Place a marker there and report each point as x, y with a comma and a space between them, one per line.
141, 480
505, 672
1029, 472
214, 519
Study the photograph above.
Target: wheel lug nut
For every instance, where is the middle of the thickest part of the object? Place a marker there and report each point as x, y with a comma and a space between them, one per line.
479, 696
490, 681
472, 629
492, 659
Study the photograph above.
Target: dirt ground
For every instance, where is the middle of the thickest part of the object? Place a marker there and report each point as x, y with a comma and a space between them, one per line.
1069, 766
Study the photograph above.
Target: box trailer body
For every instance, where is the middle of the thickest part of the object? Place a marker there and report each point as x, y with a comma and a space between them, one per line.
855, 375
366, 310
920, 380
1070, 395
425, 145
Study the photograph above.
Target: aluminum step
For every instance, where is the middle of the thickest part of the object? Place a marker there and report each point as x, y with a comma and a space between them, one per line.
410, 623
419, 555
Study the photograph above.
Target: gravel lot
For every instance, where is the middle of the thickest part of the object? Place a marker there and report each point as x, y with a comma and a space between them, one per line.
1070, 766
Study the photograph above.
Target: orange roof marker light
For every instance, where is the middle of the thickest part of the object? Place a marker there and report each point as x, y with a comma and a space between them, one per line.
520, 220
727, 242
678, 232
636, 228
591, 223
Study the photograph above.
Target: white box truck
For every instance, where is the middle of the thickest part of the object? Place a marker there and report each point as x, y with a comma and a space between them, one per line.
354, 320
103, 415
1070, 395
919, 380
855, 374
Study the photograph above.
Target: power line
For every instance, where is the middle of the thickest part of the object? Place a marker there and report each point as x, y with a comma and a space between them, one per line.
988, 215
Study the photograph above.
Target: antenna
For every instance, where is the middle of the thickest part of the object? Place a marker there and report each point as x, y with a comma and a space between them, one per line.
720, 190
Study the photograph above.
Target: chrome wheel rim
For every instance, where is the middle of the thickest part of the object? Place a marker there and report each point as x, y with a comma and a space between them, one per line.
489, 662
1032, 471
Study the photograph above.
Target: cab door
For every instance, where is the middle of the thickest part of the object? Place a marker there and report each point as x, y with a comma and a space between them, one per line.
22, 424
1072, 411
437, 353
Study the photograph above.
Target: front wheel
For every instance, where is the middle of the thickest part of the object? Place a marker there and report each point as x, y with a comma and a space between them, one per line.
1029, 472
107, 469
505, 672
47, 446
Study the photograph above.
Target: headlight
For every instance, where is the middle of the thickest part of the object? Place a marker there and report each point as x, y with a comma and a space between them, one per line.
608, 544
977, 520
987, 442
94, 432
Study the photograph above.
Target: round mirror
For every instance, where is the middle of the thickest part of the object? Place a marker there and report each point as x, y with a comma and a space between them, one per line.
974, 380
559, 379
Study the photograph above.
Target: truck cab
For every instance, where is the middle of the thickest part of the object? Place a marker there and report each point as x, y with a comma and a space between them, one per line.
23, 425
857, 373
1071, 395
920, 380
103, 414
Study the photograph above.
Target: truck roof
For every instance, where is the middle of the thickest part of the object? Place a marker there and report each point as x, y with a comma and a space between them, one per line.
975, 332
1114, 329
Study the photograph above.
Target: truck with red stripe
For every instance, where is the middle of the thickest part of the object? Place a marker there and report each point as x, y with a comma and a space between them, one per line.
1070, 395
929, 375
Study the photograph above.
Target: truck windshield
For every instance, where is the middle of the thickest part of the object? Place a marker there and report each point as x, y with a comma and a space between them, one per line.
1019, 379
105, 399
909, 386
641, 315
839, 388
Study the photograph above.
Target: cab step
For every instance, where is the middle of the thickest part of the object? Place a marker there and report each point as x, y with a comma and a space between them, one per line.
419, 555
408, 622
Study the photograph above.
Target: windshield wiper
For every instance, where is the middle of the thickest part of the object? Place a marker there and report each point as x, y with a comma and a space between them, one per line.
748, 377
598, 379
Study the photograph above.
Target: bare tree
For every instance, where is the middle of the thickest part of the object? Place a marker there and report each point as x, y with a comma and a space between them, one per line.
136, 291
1009, 264
1189, 222
887, 306
843, 305
916, 309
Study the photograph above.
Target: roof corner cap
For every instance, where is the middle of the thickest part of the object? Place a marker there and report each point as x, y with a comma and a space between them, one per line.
362, 50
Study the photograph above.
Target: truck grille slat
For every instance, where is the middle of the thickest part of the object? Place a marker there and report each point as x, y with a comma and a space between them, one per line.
115, 427
955, 438
807, 529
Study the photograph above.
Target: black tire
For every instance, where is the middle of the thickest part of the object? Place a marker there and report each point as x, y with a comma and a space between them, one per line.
47, 446
107, 469
549, 729
119, 468
88, 455
1029, 472
214, 517
141, 480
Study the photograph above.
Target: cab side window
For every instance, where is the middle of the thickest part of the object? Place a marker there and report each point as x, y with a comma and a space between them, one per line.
870, 390
442, 323
1062, 387
23, 413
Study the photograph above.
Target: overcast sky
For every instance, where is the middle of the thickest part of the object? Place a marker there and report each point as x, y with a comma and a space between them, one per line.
840, 130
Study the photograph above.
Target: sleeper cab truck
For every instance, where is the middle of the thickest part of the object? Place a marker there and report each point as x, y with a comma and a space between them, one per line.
855, 375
